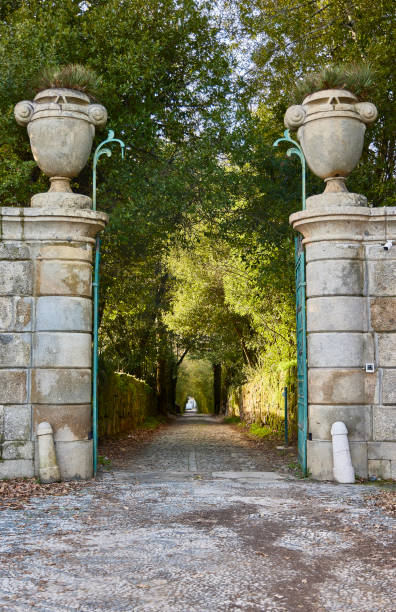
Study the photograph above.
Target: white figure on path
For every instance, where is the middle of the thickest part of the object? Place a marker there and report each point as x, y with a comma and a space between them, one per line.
191, 405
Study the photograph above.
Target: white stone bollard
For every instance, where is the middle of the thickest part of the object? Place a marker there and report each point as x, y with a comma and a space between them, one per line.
343, 471
48, 467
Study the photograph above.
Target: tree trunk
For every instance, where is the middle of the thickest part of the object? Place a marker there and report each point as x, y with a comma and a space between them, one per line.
161, 385
173, 384
217, 387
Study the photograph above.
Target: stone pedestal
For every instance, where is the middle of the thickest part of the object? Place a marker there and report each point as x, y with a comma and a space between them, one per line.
45, 335
351, 323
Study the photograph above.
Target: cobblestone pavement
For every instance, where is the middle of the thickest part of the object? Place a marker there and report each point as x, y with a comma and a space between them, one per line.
196, 521
200, 443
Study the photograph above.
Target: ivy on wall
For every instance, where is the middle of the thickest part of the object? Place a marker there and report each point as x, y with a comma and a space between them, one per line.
125, 402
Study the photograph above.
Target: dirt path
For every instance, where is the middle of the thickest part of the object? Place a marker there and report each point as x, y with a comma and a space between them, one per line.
195, 520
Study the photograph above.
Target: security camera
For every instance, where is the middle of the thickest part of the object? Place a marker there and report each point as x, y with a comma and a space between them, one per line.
388, 244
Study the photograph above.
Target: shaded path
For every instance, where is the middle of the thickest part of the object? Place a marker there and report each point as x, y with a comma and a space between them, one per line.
201, 443
166, 535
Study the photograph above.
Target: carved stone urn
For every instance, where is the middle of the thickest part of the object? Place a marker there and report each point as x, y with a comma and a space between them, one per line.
330, 127
61, 126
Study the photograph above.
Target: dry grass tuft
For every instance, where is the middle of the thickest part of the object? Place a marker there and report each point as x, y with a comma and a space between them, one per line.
72, 76
356, 78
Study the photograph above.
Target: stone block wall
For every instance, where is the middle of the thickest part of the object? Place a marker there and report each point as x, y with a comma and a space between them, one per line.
381, 305
261, 401
351, 322
45, 336
125, 402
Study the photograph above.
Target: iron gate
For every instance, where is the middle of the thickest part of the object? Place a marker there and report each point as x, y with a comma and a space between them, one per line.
301, 331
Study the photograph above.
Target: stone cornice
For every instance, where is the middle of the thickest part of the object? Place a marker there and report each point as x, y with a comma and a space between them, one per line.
351, 223
32, 224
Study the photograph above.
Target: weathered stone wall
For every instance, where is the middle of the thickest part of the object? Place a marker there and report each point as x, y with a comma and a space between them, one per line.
125, 402
261, 401
45, 336
351, 322
380, 270
16, 289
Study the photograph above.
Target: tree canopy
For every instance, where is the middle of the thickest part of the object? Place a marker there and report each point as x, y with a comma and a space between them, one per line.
290, 38
198, 254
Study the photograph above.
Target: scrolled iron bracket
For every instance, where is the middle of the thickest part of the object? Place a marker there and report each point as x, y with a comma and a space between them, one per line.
103, 150
295, 150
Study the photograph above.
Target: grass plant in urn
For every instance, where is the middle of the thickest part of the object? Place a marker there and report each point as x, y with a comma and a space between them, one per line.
331, 121
61, 123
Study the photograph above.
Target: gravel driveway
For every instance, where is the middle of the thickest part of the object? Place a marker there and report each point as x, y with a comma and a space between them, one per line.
197, 520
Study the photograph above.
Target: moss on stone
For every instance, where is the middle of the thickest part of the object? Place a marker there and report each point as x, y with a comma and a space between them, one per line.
260, 401
125, 403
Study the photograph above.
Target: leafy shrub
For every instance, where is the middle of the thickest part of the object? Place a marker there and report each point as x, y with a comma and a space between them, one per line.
152, 422
232, 420
260, 401
125, 403
261, 431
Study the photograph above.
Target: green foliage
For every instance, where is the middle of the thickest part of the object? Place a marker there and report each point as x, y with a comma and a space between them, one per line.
72, 76
166, 80
198, 253
260, 401
232, 420
199, 311
358, 78
195, 379
261, 431
293, 39
125, 403
298, 473
105, 461
151, 422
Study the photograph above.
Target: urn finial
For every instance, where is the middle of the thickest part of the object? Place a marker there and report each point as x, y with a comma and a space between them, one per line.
61, 126
330, 127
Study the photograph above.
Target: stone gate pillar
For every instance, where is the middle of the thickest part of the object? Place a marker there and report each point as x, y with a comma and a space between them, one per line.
45, 335
45, 293
351, 325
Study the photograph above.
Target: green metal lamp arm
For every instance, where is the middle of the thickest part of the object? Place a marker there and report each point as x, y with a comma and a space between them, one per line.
295, 150
103, 150
100, 150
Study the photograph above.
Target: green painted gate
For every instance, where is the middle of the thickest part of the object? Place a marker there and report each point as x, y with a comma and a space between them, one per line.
301, 324
301, 331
